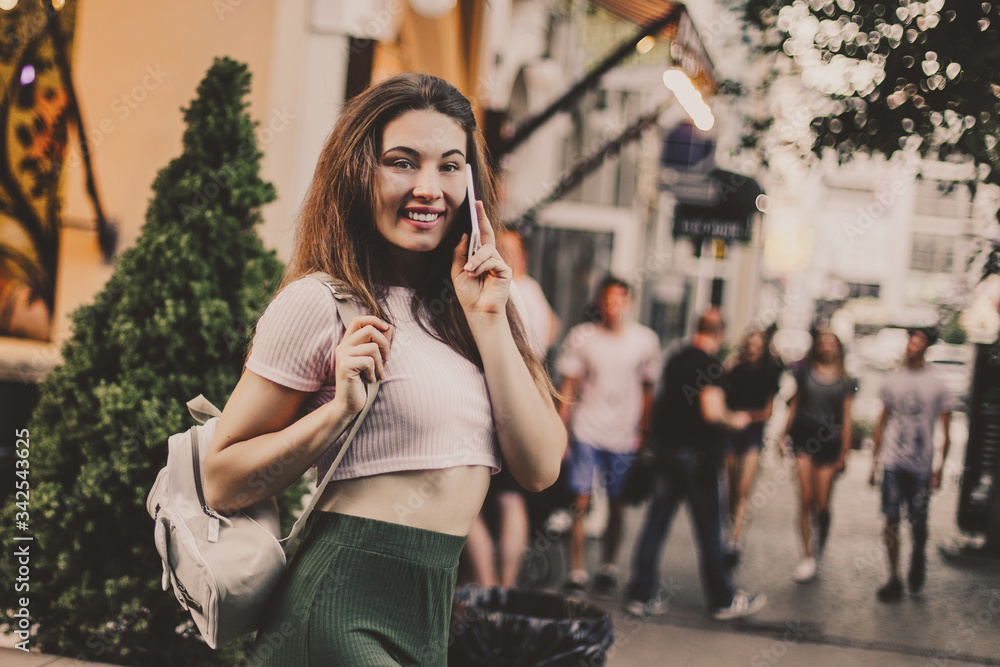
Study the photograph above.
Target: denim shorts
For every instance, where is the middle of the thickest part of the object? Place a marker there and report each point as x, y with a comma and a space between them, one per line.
612, 469
902, 486
749, 439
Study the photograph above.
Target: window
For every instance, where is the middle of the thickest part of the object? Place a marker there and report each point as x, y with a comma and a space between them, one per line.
932, 253
942, 199
858, 290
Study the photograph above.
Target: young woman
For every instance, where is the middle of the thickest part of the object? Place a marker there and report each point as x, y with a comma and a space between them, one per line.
753, 383
372, 580
819, 425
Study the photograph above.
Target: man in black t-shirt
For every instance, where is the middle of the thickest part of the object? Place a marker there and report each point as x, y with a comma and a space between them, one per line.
690, 419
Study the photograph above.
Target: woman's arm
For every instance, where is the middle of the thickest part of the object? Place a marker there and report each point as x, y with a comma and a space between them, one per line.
845, 434
260, 446
530, 430
764, 413
793, 404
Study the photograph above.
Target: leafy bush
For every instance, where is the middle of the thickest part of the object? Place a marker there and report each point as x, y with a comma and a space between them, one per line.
952, 331
172, 322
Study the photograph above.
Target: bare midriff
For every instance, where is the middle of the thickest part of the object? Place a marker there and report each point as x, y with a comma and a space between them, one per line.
444, 501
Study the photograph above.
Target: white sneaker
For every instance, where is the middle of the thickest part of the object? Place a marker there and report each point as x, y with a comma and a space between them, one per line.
743, 604
577, 581
639, 609
559, 522
805, 570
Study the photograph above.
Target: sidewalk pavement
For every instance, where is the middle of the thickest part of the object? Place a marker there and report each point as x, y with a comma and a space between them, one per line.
832, 620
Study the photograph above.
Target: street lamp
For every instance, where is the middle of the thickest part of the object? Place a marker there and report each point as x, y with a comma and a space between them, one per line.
690, 98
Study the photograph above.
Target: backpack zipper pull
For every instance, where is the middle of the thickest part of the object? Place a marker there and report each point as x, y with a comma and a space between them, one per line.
213, 527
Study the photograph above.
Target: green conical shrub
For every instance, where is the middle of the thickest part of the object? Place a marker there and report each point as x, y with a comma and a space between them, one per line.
173, 321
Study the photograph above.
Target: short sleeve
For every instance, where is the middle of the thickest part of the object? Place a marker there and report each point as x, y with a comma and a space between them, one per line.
571, 362
710, 372
296, 336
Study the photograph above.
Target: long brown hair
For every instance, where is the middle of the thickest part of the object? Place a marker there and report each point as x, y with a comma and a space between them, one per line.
337, 232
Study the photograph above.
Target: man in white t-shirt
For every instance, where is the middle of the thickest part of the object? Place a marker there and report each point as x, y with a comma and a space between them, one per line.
609, 368
913, 397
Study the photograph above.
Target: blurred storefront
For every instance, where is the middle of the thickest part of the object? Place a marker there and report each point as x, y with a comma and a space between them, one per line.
133, 67
586, 180
600, 96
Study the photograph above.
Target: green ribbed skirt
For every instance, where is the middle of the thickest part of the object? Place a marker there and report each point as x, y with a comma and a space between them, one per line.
361, 592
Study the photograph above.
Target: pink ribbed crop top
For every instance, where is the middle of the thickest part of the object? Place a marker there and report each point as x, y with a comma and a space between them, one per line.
432, 410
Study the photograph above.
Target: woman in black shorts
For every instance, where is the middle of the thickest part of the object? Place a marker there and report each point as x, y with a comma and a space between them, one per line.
819, 426
753, 383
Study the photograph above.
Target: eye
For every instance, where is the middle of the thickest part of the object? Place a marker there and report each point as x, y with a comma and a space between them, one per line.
449, 168
403, 163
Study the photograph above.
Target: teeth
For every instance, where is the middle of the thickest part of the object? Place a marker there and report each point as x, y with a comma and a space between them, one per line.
421, 217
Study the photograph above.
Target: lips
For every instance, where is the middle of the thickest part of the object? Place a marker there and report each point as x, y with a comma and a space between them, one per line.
423, 218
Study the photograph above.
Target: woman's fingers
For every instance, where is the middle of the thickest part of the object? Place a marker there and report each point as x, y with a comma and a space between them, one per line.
487, 259
369, 329
362, 352
486, 234
369, 360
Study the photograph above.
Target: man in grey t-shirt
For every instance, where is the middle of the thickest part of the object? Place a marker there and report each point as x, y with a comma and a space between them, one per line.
913, 398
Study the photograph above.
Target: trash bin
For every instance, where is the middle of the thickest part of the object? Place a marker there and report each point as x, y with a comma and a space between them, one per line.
501, 627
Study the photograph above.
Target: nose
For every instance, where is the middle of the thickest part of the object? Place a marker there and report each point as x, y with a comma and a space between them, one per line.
428, 184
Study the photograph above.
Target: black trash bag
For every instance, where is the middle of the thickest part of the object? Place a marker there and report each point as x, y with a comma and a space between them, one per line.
513, 627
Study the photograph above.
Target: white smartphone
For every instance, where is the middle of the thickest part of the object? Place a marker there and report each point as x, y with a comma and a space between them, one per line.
474, 235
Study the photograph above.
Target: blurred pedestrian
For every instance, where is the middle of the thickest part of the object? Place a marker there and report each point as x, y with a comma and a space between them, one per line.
819, 426
690, 419
753, 383
386, 215
498, 563
612, 365
913, 397
544, 325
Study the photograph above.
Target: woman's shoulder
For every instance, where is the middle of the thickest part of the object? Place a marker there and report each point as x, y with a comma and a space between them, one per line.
306, 293
303, 304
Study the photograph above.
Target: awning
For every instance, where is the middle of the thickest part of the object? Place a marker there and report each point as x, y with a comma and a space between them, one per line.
688, 51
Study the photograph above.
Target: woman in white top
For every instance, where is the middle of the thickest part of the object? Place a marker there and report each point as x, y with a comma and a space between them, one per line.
387, 216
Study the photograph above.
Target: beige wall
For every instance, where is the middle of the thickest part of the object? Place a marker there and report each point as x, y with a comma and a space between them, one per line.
135, 64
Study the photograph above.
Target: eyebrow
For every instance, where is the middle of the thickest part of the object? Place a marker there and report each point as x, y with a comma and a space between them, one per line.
414, 153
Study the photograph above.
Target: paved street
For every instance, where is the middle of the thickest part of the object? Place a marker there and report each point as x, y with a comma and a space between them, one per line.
835, 619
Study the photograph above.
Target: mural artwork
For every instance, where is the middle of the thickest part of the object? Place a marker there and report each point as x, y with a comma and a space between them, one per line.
34, 118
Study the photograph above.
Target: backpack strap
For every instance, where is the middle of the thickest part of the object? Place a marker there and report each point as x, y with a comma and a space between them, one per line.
202, 409
347, 311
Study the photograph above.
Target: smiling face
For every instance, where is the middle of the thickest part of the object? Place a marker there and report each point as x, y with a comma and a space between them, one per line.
421, 180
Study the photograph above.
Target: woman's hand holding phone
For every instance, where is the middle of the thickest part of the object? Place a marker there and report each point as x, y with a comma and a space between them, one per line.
475, 237
481, 277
